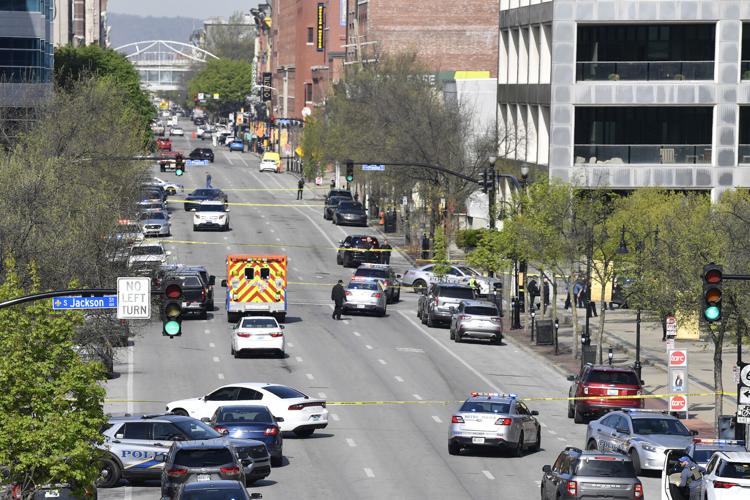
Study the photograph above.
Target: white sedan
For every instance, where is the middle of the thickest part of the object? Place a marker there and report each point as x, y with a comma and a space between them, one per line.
259, 334
171, 188
177, 131
293, 410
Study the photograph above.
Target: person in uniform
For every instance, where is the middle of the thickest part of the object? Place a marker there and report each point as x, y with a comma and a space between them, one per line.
690, 479
338, 296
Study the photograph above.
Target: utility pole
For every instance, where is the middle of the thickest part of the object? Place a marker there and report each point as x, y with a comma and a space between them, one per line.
285, 91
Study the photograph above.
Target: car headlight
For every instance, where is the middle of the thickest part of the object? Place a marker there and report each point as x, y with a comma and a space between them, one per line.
649, 447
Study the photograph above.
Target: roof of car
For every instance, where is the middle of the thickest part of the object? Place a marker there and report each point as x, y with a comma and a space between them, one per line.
492, 396
203, 443
639, 413
595, 453
452, 285
735, 456
478, 303
220, 484
167, 417
368, 265
607, 368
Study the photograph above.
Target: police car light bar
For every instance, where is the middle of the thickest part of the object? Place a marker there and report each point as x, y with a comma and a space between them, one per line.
475, 394
740, 442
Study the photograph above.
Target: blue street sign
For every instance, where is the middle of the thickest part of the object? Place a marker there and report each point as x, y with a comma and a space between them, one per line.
373, 167
196, 162
105, 302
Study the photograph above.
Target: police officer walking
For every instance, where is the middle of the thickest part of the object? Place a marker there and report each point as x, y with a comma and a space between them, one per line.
338, 296
473, 283
690, 479
300, 186
385, 255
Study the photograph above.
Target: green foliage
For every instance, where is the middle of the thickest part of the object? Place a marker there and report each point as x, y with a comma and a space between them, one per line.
491, 251
51, 401
231, 79
468, 238
440, 254
72, 64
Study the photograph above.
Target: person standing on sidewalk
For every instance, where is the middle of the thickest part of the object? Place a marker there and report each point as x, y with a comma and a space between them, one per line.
386, 252
338, 296
300, 186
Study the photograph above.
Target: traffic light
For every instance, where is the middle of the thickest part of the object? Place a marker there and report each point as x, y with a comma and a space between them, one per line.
713, 275
483, 180
490, 180
349, 171
179, 164
171, 309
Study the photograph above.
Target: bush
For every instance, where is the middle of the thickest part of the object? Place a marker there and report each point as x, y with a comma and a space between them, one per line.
468, 238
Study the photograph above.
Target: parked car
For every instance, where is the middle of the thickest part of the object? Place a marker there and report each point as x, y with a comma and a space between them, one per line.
366, 296
164, 144
605, 381
420, 277
342, 193
356, 249
236, 145
208, 280
171, 188
439, 302
477, 319
155, 223
202, 154
250, 422
177, 131
350, 213
148, 254
330, 206
385, 275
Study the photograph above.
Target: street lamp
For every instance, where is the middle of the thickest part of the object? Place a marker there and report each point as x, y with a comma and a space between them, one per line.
524, 174
533, 316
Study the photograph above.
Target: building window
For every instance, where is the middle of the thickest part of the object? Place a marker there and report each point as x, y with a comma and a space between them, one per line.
745, 51
25, 60
646, 52
23, 5
308, 92
744, 133
652, 135
310, 35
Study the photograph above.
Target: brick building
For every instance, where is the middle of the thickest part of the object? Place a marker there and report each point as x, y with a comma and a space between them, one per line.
448, 35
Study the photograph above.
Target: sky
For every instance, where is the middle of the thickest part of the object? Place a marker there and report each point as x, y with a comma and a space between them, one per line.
200, 9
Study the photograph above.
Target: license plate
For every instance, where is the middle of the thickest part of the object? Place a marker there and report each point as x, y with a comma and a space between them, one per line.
52, 494
612, 392
477, 440
360, 306
203, 477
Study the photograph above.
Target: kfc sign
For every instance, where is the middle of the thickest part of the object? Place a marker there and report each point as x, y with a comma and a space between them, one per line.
677, 358
678, 403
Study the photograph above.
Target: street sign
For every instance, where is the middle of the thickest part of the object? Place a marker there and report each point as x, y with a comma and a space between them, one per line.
373, 167
133, 298
743, 414
745, 395
68, 302
196, 162
678, 403
745, 375
671, 322
678, 357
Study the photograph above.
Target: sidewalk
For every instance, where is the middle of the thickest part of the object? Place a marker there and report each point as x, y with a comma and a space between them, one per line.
619, 334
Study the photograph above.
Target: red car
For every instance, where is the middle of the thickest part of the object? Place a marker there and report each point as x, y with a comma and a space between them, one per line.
601, 383
164, 144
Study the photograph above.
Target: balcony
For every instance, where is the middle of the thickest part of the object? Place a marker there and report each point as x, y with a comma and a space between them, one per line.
646, 70
667, 154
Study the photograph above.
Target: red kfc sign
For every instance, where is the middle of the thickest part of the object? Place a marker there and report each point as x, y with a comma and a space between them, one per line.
677, 358
677, 403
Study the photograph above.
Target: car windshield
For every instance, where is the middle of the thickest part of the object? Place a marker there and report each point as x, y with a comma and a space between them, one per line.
612, 377
335, 200
259, 414
208, 493
703, 456
205, 192
150, 250
153, 216
151, 206
365, 242
456, 293
371, 273
340, 193
350, 205
735, 470
203, 207
196, 430
481, 311
150, 194
605, 467
486, 407
284, 392
468, 271
259, 323
204, 457
362, 285
645, 426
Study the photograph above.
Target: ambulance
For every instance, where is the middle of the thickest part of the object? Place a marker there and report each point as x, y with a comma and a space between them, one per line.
256, 284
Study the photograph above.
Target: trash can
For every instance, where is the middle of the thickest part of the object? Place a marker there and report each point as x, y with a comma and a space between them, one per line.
589, 354
390, 222
544, 329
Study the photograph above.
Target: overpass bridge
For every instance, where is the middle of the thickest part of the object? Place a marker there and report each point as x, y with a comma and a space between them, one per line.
163, 64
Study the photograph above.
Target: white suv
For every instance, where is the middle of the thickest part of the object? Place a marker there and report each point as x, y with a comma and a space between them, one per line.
211, 214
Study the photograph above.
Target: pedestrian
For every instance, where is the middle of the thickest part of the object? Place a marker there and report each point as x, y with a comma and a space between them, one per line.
579, 292
691, 479
545, 293
567, 298
591, 303
338, 296
300, 186
473, 283
385, 255
356, 196
533, 290
208, 181
333, 183
425, 247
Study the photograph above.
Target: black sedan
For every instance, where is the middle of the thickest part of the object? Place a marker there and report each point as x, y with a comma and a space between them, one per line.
213, 194
202, 154
331, 204
350, 213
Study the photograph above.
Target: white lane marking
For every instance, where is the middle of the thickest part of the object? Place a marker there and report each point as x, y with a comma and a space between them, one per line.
278, 239
298, 358
346, 321
309, 376
295, 269
351, 443
561, 439
538, 483
357, 334
216, 359
273, 230
369, 472
221, 376
417, 397
129, 385
331, 306
211, 344
226, 237
243, 161
368, 346
382, 362
488, 475
437, 419
228, 159
542, 424
552, 432
290, 344
206, 331
456, 356
322, 395
229, 247
398, 379
283, 249
335, 417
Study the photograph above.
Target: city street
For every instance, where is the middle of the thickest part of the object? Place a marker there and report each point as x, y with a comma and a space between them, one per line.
369, 451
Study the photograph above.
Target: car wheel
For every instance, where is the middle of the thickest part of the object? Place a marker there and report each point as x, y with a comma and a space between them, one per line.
281, 317
518, 450
303, 433
334, 220
236, 354
577, 415
338, 259
180, 412
458, 338
424, 318
419, 284
398, 295
570, 411
231, 350
232, 317
277, 461
381, 313
591, 445
203, 314
430, 322
452, 335
538, 443
454, 448
281, 353
109, 474
636, 462
226, 227
195, 228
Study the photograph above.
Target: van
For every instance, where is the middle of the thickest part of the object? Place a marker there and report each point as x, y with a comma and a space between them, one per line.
271, 161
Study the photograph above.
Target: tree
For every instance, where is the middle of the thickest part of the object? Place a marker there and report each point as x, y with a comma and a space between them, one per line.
51, 400
440, 254
234, 40
231, 79
73, 64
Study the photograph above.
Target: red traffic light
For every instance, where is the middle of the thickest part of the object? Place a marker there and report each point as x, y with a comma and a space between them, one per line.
713, 276
173, 291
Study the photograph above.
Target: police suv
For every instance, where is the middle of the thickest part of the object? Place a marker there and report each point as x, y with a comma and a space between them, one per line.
135, 447
494, 420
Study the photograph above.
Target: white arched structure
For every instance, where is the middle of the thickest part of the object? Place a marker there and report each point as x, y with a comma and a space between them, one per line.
162, 64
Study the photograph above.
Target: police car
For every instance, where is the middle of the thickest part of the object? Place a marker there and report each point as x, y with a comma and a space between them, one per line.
489, 419
135, 446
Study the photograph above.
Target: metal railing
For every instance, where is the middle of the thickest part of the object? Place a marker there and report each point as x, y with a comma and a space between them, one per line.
613, 154
644, 70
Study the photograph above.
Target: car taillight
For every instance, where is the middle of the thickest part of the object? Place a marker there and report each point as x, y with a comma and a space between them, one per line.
572, 488
348, 294
463, 316
244, 335
230, 470
203, 294
496, 320
456, 419
504, 421
271, 431
277, 334
177, 471
638, 490
220, 429
724, 484
296, 407
376, 295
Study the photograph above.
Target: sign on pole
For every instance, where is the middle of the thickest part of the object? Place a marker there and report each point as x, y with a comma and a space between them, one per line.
743, 414
677, 379
373, 167
133, 298
671, 323
69, 302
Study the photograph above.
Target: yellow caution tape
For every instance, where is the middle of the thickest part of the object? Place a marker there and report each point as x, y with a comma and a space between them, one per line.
273, 245
248, 204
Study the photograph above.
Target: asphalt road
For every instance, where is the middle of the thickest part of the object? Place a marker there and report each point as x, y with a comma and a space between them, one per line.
367, 451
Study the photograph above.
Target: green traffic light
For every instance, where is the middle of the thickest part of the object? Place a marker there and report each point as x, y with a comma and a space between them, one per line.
349, 178
711, 313
178, 171
172, 328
